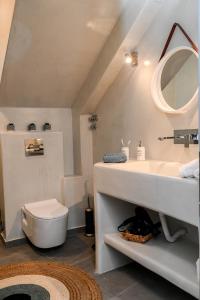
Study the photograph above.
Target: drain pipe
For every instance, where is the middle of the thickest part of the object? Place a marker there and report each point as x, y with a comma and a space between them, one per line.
169, 237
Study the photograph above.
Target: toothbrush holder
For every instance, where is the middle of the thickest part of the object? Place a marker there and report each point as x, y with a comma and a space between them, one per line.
125, 150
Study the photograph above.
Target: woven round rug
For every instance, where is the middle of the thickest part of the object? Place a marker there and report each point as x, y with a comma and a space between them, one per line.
48, 281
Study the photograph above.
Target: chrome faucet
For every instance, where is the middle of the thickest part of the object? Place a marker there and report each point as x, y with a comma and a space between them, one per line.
186, 137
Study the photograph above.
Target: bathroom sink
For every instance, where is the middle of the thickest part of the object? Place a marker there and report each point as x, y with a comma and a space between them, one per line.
154, 167
152, 184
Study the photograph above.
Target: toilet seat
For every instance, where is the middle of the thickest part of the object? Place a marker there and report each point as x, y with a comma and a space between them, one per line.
46, 210
45, 223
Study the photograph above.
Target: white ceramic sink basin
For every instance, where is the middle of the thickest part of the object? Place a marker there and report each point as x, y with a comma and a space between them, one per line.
154, 167
152, 184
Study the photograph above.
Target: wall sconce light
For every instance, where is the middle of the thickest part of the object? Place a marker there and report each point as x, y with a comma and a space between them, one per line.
147, 63
131, 58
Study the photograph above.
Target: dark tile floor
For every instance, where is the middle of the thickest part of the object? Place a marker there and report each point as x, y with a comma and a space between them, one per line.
131, 282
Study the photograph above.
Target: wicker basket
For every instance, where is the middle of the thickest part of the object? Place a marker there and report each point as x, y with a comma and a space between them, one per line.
136, 238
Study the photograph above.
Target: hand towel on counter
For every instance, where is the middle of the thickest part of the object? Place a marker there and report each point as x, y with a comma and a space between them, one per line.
114, 158
198, 264
196, 173
190, 169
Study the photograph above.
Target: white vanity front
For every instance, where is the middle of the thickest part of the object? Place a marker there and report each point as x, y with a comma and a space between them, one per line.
155, 185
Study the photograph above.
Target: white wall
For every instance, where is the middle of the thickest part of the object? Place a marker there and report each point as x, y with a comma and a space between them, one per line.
75, 198
86, 152
59, 118
6, 16
77, 188
127, 110
29, 179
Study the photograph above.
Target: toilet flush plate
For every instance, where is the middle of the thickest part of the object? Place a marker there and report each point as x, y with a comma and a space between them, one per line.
34, 147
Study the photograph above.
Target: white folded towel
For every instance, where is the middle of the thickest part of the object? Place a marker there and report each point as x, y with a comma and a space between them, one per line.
190, 169
198, 264
196, 173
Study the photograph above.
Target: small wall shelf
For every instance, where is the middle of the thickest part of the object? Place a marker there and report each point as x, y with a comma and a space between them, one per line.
176, 263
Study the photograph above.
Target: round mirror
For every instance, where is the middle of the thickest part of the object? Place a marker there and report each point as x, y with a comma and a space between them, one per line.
175, 81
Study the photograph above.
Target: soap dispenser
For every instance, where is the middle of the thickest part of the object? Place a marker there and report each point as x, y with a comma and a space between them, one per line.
140, 152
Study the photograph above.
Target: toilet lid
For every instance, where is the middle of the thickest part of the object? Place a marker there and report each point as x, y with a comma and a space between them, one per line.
47, 209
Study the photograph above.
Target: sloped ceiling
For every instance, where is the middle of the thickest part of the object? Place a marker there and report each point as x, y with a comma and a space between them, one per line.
53, 45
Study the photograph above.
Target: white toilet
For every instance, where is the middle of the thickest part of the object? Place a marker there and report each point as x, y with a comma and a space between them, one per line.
45, 223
